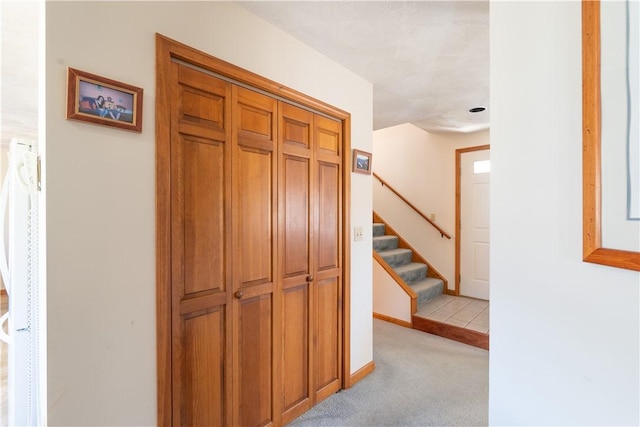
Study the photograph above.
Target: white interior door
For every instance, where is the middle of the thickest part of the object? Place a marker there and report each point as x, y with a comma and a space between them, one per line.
474, 224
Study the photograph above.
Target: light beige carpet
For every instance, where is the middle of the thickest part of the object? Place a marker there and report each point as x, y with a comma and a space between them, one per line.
420, 380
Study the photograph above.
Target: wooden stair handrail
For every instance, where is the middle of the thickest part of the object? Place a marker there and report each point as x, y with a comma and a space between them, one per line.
393, 190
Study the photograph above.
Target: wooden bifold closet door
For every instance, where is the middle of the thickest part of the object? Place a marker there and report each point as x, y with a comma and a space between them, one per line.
310, 251
201, 254
256, 254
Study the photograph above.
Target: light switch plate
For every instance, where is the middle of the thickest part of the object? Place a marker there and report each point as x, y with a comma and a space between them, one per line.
358, 234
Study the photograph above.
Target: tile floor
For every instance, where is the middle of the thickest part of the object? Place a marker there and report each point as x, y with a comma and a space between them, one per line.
468, 313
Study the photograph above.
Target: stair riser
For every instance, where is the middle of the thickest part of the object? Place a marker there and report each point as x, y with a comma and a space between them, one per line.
427, 289
378, 230
429, 294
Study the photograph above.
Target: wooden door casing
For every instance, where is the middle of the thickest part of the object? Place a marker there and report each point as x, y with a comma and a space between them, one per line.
458, 195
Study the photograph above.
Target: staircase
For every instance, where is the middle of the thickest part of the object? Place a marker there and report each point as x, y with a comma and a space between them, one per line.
406, 264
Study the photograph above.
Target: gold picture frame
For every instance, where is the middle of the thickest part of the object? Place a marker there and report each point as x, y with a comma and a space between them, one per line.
95, 99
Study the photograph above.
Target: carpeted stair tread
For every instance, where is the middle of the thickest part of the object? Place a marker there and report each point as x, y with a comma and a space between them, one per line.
412, 271
427, 289
397, 257
378, 229
385, 243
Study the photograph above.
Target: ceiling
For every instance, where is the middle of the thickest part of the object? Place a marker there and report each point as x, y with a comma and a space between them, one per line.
428, 61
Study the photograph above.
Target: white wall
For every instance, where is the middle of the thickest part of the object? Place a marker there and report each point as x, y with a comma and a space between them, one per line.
564, 333
100, 185
389, 298
421, 166
4, 167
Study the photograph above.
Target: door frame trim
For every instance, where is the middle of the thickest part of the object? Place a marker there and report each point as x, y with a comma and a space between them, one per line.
459, 153
167, 50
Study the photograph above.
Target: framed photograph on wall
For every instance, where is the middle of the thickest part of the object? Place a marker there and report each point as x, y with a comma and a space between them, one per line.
95, 99
361, 162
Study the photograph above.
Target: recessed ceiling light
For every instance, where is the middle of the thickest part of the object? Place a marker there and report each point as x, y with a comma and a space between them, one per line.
477, 109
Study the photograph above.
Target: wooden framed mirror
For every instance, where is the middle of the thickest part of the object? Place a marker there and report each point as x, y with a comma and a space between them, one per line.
592, 167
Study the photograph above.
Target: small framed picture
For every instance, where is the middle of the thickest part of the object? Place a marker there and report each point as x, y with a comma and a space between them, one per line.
361, 162
95, 99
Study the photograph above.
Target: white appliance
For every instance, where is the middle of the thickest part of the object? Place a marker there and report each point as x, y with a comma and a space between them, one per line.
19, 268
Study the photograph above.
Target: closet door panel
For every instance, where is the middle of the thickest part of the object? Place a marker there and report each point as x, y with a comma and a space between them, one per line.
256, 300
296, 216
329, 216
296, 272
204, 225
295, 176
254, 371
203, 397
328, 339
296, 347
255, 216
202, 103
328, 277
328, 136
255, 123
200, 250
296, 256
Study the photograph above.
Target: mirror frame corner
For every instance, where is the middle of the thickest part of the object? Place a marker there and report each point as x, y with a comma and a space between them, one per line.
591, 148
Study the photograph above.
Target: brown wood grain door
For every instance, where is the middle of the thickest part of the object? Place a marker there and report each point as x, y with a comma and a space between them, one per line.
327, 321
297, 210
256, 249
254, 189
200, 252
310, 243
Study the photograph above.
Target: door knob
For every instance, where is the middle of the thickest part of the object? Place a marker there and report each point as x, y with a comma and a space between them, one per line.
239, 294
309, 278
